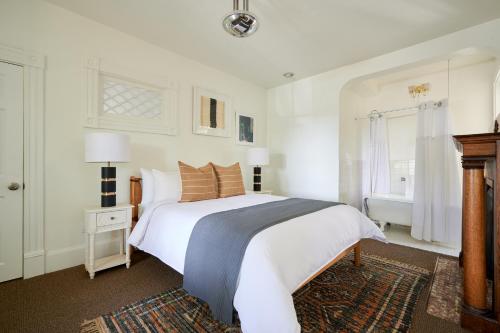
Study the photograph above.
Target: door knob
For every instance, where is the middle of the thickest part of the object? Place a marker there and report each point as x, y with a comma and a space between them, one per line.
13, 186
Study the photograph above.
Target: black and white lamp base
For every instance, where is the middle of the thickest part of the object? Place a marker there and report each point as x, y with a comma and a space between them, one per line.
108, 186
257, 178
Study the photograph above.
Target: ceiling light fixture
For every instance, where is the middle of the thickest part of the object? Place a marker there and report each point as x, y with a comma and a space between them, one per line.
240, 23
289, 75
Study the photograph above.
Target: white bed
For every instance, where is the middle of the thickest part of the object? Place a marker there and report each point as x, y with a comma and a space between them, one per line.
277, 260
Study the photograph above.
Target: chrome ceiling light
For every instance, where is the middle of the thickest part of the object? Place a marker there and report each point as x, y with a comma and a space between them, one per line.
240, 23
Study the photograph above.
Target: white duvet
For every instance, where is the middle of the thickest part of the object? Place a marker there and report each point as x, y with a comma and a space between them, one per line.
277, 260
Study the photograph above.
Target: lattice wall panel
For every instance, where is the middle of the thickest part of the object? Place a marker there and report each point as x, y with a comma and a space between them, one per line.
130, 100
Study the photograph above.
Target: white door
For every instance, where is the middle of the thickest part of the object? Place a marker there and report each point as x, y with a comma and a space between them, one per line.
11, 171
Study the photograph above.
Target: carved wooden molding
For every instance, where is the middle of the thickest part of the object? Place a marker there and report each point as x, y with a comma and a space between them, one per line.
477, 145
473, 163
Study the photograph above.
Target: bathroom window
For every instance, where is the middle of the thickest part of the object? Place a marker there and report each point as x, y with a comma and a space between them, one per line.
402, 132
402, 175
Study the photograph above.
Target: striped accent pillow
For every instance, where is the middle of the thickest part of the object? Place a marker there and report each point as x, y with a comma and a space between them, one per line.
229, 180
197, 183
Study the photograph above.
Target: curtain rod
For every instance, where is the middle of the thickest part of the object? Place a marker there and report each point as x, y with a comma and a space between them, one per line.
422, 106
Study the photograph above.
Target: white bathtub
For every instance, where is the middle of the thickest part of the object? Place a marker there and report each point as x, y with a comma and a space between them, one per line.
389, 208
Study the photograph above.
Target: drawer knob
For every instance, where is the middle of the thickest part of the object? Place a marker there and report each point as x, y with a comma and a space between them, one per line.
112, 217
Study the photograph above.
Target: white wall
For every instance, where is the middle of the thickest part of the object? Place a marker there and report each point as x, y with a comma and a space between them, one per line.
350, 151
470, 106
67, 39
471, 98
301, 126
303, 116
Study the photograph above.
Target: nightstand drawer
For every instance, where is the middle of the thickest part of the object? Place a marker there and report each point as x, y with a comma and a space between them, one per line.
109, 218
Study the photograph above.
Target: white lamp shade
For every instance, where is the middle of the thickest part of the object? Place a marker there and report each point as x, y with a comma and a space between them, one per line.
258, 156
107, 147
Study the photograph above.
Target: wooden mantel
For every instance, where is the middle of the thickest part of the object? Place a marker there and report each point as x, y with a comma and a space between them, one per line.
479, 151
477, 145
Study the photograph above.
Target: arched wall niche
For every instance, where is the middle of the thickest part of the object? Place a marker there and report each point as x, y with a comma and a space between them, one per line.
303, 116
465, 77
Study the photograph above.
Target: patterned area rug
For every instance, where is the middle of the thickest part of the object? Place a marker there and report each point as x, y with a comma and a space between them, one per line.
380, 296
445, 298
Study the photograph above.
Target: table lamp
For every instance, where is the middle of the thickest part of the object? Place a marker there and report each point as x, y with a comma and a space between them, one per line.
107, 148
257, 157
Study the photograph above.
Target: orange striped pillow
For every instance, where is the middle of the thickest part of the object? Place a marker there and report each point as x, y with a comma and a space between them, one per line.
229, 180
197, 183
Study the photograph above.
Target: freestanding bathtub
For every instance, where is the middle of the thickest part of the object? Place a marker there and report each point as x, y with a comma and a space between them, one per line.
389, 208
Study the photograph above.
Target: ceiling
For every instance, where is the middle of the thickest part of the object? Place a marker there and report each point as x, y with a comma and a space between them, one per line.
457, 61
306, 37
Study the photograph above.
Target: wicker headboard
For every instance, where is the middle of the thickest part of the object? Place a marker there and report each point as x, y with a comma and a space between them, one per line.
135, 196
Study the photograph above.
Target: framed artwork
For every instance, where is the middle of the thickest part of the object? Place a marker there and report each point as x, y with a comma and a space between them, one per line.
211, 113
245, 129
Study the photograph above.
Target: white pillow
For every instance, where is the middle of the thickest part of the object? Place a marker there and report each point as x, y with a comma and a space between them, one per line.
167, 185
148, 186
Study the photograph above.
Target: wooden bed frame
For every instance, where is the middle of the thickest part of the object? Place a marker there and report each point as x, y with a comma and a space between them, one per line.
136, 197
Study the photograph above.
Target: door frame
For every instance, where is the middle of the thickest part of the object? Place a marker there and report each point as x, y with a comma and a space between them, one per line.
34, 168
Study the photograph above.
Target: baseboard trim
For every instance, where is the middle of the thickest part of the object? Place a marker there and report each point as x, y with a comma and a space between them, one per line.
34, 264
73, 256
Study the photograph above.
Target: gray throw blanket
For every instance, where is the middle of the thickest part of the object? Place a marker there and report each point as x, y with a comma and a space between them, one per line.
219, 241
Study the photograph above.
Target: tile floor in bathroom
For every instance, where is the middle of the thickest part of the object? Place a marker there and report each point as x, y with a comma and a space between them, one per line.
400, 235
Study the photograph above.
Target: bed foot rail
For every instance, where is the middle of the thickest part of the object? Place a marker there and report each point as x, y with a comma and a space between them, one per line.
357, 254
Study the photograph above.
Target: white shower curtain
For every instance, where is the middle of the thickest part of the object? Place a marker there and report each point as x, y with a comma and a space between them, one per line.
437, 196
380, 176
375, 152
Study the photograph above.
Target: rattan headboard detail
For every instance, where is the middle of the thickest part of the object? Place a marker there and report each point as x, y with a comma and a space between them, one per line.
135, 196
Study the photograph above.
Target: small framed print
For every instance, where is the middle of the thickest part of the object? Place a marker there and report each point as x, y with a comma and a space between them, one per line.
245, 129
211, 113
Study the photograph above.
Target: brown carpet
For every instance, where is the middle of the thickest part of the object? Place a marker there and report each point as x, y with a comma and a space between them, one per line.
60, 301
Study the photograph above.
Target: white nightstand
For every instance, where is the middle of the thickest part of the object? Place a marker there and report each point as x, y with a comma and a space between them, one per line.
99, 220
260, 192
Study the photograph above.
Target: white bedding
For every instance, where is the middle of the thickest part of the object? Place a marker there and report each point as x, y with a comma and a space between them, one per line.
277, 260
